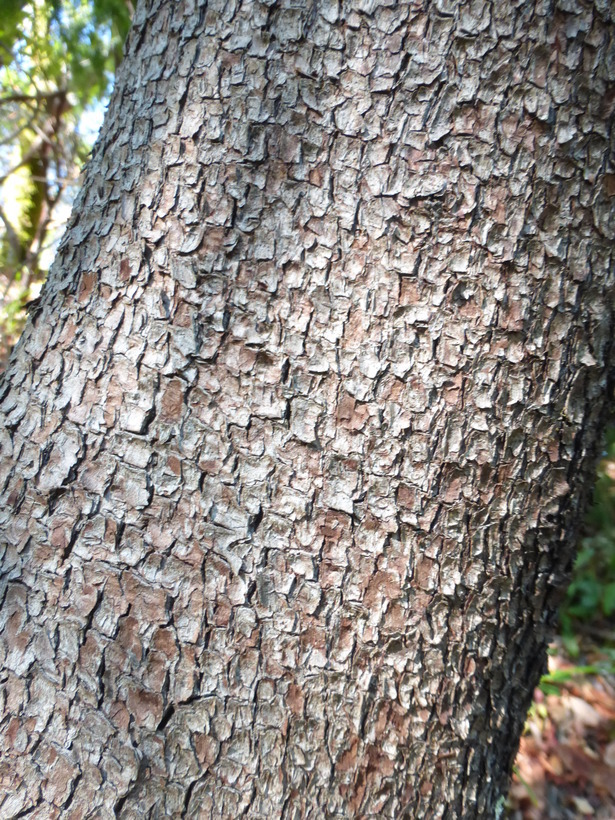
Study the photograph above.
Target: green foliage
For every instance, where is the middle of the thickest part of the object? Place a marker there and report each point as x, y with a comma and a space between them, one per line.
533, 797
75, 44
10, 25
552, 683
591, 595
57, 63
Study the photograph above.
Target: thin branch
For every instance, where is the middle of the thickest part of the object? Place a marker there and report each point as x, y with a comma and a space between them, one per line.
11, 275
13, 98
45, 133
11, 234
12, 137
33, 151
48, 130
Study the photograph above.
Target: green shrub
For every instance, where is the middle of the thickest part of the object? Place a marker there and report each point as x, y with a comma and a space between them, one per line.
591, 595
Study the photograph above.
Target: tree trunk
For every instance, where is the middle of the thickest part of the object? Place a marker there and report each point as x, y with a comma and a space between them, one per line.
295, 443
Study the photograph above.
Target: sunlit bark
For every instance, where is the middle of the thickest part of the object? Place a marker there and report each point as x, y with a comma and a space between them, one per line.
294, 445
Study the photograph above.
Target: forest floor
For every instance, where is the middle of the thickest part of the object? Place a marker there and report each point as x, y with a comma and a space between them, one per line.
565, 768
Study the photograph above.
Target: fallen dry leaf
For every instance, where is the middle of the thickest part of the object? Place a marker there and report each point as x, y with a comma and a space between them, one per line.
564, 769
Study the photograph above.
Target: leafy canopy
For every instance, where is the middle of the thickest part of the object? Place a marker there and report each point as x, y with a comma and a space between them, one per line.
57, 63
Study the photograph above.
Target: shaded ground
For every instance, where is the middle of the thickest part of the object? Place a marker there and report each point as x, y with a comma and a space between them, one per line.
565, 768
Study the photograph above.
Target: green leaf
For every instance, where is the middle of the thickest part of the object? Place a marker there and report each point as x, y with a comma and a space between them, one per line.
549, 689
608, 599
530, 791
10, 27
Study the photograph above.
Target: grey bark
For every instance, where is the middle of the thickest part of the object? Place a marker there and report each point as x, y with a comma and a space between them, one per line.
295, 443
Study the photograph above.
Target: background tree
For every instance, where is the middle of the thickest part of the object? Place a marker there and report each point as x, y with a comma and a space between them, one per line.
57, 60
298, 435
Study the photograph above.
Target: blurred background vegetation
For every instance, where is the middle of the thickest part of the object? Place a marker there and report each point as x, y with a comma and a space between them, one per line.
590, 602
57, 63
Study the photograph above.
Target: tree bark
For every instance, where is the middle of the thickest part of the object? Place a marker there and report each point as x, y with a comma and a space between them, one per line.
295, 444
